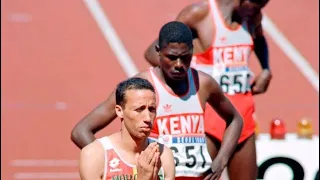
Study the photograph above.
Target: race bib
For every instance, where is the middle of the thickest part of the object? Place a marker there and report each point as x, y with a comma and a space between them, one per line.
233, 80
190, 154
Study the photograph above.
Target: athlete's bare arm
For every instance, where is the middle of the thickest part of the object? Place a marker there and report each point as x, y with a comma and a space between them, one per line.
191, 16
262, 81
101, 116
91, 164
83, 133
234, 122
168, 163
260, 43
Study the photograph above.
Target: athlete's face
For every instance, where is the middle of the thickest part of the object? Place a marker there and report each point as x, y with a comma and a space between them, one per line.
138, 112
175, 59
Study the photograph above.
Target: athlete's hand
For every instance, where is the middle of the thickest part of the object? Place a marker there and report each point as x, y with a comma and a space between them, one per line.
148, 162
156, 166
261, 83
217, 168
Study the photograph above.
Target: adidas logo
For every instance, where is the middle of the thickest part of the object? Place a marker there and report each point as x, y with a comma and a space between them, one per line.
167, 108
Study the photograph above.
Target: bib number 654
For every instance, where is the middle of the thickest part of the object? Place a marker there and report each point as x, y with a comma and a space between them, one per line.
239, 82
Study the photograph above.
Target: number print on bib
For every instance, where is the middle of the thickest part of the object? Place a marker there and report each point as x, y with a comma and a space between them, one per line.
191, 156
233, 83
191, 160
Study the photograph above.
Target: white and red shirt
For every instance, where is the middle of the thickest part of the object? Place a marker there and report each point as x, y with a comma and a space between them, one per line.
227, 60
180, 126
116, 168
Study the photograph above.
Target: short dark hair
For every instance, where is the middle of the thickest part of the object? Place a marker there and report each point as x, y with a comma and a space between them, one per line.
175, 32
131, 83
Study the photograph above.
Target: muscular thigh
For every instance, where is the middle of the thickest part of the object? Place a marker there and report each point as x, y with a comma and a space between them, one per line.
243, 163
213, 146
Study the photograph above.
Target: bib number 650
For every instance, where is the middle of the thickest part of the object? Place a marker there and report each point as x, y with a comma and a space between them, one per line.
190, 154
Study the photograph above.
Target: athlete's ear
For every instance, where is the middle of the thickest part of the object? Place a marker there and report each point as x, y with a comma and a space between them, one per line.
119, 111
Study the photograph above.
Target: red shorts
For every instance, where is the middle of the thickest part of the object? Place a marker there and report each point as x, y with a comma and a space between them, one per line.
215, 125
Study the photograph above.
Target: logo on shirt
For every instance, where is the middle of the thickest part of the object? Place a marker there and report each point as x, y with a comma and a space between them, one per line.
167, 108
114, 162
223, 39
180, 124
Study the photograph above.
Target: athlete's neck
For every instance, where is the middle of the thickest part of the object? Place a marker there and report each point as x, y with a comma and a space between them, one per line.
131, 143
227, 8
179, 87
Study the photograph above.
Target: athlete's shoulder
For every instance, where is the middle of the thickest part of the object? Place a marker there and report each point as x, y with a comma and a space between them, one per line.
205, 81
166, 151
91, 163
198, 7
167, 161
257, 18
145, 74
194, 12
92, 151
201, 76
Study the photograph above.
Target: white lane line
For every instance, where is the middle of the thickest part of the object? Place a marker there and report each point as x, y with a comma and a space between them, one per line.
46, 175
294, 55
43, 163
111, 36
129, 67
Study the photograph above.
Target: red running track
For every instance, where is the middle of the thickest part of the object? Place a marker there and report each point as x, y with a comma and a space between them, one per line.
57, 66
